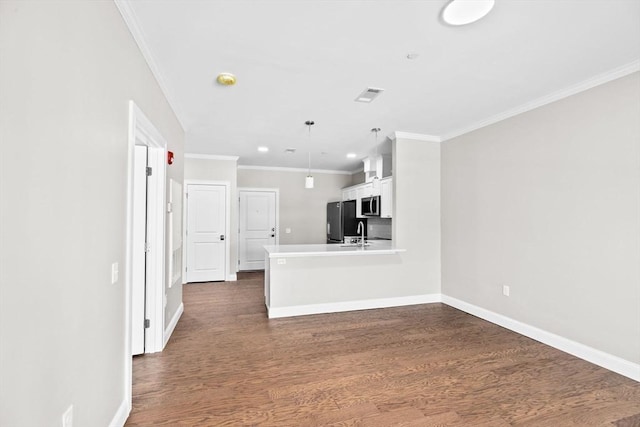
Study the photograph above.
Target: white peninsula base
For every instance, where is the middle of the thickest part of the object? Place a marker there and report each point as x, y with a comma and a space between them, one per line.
312, 279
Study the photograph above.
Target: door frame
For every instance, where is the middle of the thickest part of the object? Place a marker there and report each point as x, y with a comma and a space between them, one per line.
262, 190
143, 132
227, 223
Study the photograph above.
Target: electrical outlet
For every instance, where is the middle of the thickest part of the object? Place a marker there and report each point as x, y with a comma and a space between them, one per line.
505, 290
67, 417
371, 228
114, 272
282, 261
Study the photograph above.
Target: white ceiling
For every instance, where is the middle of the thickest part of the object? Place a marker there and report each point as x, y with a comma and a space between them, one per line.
303, 60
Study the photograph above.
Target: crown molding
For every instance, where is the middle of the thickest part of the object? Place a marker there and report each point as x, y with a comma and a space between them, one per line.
592, 82
414, 136
355, 171
282, 169
210, 157
131, 20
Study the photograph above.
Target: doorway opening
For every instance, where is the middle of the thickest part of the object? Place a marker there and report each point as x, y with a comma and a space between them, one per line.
144, 219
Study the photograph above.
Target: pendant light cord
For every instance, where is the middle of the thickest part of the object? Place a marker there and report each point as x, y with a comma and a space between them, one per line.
376, 130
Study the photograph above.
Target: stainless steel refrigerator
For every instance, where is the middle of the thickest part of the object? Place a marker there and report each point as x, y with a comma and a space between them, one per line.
342, 221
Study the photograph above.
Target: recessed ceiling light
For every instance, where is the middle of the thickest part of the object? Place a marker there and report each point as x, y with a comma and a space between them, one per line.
263, 149
226, 79
351, 156
462, 12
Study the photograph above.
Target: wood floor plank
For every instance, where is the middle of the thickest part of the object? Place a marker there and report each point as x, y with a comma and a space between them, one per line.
227, 364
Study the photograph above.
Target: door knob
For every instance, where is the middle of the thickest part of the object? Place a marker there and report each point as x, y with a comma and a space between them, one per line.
222, 237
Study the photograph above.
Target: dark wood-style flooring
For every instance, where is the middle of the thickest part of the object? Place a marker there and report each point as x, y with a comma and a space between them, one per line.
423, 365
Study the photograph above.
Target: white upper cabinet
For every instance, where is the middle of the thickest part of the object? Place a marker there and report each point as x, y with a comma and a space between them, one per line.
349, 193
384, 190
386, 198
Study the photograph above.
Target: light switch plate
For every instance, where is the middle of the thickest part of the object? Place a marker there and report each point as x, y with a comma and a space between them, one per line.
282, 261
114, 272
287, 230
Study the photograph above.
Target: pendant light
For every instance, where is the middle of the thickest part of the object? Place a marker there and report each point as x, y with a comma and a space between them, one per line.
376, 179
308, 182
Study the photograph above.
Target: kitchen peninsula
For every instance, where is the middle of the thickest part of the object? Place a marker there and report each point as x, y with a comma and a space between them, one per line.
327, 278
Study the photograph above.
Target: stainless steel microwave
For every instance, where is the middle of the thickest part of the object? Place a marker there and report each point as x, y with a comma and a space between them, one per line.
370, 206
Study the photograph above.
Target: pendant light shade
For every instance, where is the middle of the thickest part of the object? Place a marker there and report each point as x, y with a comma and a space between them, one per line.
308, 181
375, 182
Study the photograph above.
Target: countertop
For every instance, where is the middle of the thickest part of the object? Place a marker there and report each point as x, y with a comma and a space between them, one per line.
376, 247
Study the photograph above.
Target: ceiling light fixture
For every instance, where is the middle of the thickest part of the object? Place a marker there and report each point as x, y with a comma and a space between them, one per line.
263, 149
351, 155
308, 182
226, 79
463, 12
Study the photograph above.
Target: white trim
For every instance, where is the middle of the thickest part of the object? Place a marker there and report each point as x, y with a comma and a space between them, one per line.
336, 307
131, 20
282, 169
209, 157
592, 82
232, 278
121, 415
414, 136
227, 244
597, 357
172, 324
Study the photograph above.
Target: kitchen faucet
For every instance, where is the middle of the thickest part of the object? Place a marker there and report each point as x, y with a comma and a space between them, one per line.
361, 230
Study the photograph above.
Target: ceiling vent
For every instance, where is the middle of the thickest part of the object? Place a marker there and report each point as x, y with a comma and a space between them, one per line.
369, 94
290, 150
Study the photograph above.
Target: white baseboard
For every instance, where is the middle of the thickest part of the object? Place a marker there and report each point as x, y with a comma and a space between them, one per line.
597, 357
232, 277
121, 415
335, 307
172, 325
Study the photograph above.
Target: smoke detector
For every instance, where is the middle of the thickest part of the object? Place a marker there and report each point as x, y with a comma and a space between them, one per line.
369, 94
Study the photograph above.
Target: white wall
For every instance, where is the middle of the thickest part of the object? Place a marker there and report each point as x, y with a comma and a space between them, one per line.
67, 72
219, 170
302, 210
416, 212
548, 203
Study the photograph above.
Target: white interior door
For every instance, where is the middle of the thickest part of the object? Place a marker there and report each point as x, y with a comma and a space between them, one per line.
257, 227
138, 288
206, 225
